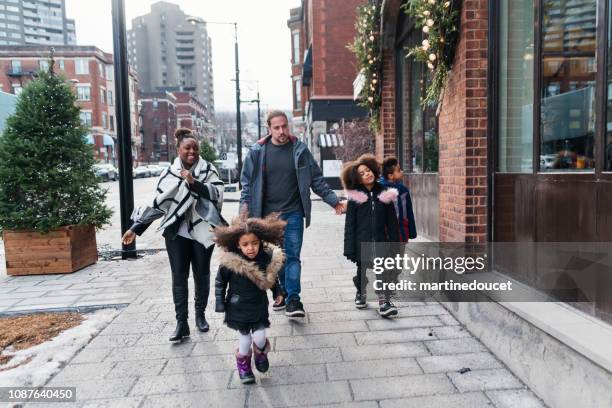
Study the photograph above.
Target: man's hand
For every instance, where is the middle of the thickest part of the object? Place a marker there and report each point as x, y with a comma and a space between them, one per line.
340, 208
128, 237
186, 175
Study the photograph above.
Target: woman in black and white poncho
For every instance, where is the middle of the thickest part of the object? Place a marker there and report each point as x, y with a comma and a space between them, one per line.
189, 196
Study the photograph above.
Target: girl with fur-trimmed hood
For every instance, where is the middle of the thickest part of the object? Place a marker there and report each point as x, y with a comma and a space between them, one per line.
370, 217
249, 264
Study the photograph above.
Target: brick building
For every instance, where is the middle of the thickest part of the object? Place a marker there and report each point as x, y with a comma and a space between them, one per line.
91, 72
323, 70
519, 150
158, 123
192, 114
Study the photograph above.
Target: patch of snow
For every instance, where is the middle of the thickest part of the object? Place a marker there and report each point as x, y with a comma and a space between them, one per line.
47, 358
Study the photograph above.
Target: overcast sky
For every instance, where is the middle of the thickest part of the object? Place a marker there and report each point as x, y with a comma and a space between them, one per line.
264, 42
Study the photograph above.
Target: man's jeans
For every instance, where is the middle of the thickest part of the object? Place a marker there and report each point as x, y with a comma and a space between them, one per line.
290, 275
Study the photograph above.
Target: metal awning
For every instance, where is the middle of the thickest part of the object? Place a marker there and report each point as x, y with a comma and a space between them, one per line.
330, 140
108, 140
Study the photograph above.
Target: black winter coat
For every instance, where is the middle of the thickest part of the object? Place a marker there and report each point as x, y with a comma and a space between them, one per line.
370, 217
241, 284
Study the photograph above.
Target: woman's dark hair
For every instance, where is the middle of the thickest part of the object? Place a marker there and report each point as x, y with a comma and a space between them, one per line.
388, 166
350, 175
270, 229
181, 134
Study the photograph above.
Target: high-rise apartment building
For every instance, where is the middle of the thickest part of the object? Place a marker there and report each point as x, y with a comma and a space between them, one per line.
41, 22
171, 51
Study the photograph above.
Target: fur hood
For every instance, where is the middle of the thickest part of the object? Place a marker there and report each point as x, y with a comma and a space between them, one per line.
387, 196
248, 269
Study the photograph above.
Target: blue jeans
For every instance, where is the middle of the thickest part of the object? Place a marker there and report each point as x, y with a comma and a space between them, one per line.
290, 275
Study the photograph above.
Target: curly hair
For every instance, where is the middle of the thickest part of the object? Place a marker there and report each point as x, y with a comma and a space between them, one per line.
269, 229
350, 176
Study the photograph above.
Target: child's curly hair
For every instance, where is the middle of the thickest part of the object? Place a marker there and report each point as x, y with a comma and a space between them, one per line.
350, 176
269, 229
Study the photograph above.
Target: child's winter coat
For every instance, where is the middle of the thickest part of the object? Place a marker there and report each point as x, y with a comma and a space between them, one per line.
403, 209
246, 300
370, 217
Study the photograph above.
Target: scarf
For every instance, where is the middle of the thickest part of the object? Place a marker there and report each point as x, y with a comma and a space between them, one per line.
174, 199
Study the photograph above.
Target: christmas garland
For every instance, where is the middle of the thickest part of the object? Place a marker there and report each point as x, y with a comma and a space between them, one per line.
439, 20
367, 51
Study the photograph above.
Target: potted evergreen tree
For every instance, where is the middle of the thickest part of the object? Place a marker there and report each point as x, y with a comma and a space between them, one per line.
50, 201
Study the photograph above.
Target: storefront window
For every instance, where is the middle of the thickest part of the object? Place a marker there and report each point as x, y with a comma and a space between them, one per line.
416, 122
568, 85
516, 87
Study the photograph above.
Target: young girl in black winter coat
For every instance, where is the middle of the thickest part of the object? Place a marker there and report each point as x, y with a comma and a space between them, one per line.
249, 264
370, 217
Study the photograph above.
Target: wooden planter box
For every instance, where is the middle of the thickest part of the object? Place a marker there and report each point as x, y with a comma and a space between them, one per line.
62, 250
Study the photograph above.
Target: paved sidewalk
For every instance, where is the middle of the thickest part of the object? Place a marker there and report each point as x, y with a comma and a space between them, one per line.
336, 355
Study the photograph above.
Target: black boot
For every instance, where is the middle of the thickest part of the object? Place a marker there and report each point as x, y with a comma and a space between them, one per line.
181, 331
201, 322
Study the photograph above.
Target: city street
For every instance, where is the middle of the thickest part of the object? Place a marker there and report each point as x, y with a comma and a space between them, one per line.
336, 356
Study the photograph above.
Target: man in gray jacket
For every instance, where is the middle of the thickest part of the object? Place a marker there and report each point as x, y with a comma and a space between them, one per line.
277, 176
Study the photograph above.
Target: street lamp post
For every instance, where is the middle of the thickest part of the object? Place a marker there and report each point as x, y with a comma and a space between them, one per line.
124, 131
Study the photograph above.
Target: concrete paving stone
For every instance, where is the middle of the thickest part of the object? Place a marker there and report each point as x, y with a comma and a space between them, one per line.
194, 364
314, 341
93, 389
346, 278
474, 361
281, 319
6, 289
152, 352
83, 371
40, 289
158, 301
448, 320
451, 332
91, 356
9, 302
324, 393
135, 328
403, 322
69, 292
34, 278
104, 341
225, 333
339, 290
135, 317
284, 375
37, 308
401, 387
313, 292
147, 339
468, 400
376, 352
393, 336
455, 346
353, 404
47, 300
217, 347
142, 368
319, 283
308, 300
515, 399
331, 307
427, 310
306, 356
135, 308
127, 402
209, 399
166, 384
345, 315
481, 380
373, 369
329, 327
106, 294
99, 284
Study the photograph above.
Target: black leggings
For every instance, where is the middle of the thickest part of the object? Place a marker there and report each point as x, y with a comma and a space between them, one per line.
182, 252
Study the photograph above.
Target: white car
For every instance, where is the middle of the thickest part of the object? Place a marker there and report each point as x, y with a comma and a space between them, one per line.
141, 171
155, 169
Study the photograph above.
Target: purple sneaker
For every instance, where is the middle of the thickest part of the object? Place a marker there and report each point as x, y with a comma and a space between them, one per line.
261, 357
243, 363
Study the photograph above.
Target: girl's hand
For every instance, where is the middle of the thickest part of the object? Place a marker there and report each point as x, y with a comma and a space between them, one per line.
340, 208
128, 237
186, 175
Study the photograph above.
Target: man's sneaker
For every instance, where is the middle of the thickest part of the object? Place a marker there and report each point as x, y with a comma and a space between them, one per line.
279, 304
387, 309
295, 309
360, 301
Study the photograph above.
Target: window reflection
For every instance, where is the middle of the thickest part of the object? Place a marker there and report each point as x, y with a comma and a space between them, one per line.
568, 85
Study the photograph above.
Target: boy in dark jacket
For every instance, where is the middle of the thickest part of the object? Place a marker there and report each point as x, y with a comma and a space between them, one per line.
392, 176
370, 217
248, 266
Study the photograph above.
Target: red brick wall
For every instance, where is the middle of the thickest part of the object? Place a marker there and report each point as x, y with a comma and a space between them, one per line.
385, 142
463, 133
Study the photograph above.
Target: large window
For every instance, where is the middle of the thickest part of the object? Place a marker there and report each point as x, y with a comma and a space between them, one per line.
82, 66
547, 82
83, 93
296, 47
297, 101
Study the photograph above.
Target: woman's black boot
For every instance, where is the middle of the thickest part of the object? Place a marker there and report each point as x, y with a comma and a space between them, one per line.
181, 331
201, 322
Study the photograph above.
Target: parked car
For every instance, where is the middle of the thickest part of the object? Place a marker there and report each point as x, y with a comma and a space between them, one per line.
164, 164
106, 171
155, 169
226, 175
141, 172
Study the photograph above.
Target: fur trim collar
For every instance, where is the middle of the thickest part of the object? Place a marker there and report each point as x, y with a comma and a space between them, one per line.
241, 266
386, 196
